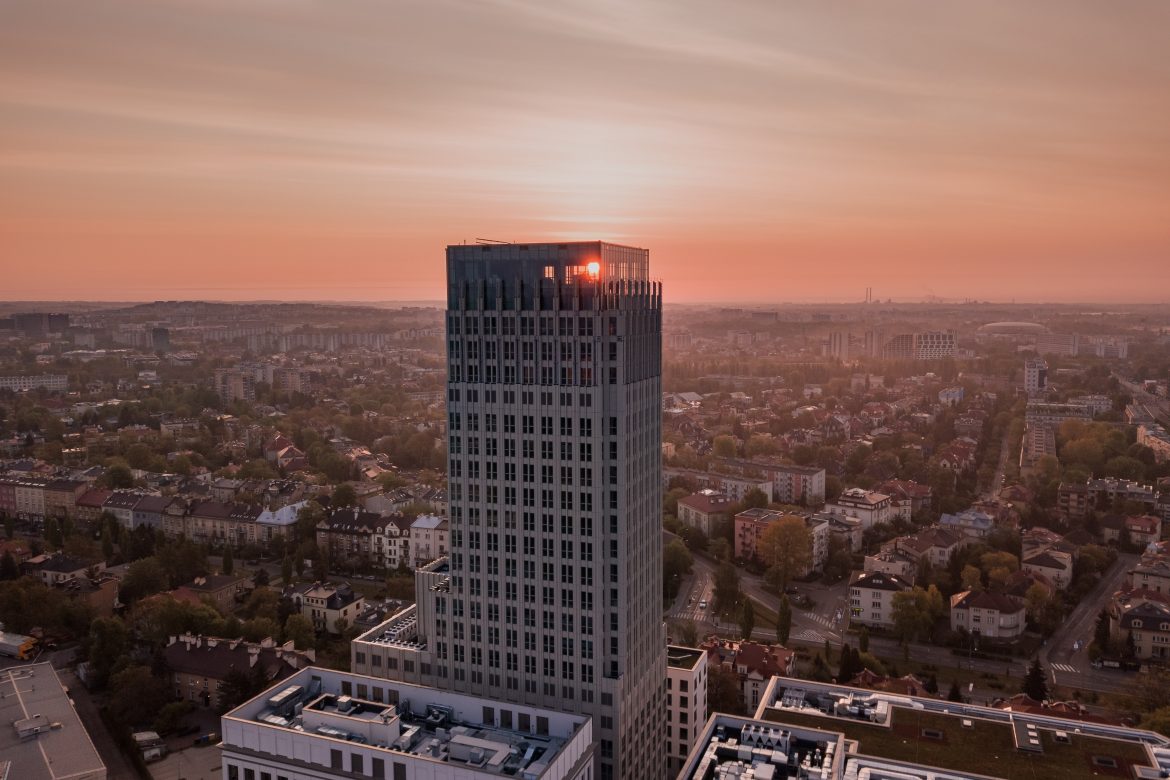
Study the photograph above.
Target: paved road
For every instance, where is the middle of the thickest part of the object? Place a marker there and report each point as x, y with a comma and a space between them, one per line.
1071, 667
823, 621
1000, 468
117, 767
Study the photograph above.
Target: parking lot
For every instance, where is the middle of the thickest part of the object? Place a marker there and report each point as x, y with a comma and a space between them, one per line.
192, 763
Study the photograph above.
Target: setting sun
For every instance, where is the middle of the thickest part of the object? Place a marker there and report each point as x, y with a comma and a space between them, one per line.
594, 269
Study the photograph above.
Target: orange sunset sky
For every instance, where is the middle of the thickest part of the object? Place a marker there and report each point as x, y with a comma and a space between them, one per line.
764, 151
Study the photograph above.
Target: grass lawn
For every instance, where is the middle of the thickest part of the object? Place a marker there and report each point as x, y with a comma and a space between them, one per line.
986, 749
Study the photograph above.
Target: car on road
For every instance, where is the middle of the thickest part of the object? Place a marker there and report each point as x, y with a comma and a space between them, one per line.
703, 604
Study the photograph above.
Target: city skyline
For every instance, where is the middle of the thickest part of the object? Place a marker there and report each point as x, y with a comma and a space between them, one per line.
244, 152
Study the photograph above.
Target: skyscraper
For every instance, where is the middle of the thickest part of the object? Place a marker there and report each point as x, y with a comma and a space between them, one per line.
551, 593
554, 398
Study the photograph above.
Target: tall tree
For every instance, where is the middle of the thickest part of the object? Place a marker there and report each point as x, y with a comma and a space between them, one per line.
1036, 681
786, 546
298, 628
343, 495
8, 568
911, 613
1101, 635
724, 692
676, 562
954, 694
228, 564
727, 592
137, 695
784, 620
105, 644
747, 619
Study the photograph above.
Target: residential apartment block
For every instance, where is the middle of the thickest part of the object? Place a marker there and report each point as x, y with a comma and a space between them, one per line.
705, 511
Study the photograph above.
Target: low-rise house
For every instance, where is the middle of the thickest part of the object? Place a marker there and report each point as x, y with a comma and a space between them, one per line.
891, 561
1151, 573
987, 613
330, 608
908, 493
219, 590
200, 665
935, 544
429, 539
971, 522
869, 507
704, 511
100, 592
1139, 530
958, 455
1020, 582
1148, 622
755, 664
871, 597
61, 568
907, 685
1054, 564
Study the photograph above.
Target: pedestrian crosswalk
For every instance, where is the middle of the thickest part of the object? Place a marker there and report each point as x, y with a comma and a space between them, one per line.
808, 635
1065, 668
825, 620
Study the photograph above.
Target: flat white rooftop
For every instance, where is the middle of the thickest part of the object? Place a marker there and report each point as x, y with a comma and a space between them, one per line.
41, 735
317, 712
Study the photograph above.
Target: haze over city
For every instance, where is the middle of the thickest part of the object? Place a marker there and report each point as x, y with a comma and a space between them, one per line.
764, 151
609, 390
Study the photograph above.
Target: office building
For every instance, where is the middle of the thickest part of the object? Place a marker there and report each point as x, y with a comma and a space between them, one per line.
551, 593
321, 723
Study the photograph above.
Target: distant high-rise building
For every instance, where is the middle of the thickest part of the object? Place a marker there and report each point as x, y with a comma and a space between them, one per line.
930, 345
40, 323
839, 345
160, 339
235, 385
554, 388
1035, 375
1066, 344
551, 593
